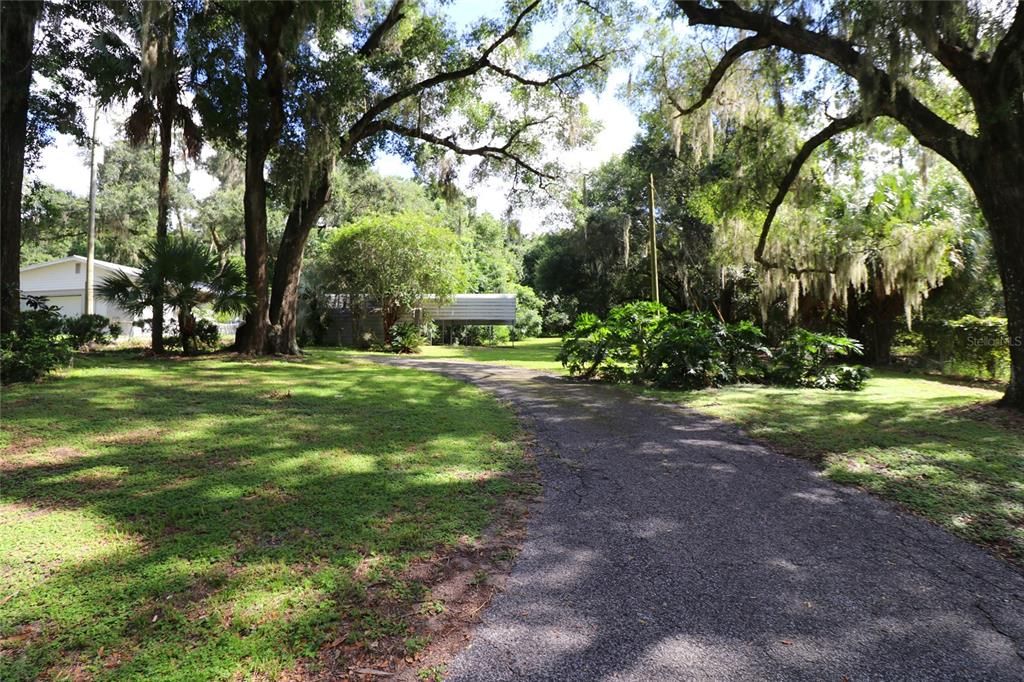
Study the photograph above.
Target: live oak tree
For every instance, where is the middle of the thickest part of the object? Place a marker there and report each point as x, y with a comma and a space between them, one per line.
893, 60
302, 86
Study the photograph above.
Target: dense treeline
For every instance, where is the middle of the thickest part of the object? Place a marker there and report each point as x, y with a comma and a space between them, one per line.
842, 167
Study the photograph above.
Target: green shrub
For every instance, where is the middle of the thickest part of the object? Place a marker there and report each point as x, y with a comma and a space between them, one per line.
207, 335
528, 317
471, 334
804, 359
585, 346
89, 330
406, 337
977, 346
617, 349
697, 350
841, 377
641, 342
36, 346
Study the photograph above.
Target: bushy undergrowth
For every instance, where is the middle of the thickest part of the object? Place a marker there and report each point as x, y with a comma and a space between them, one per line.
805, 358
643, 343
205, 336
36, 346
406, 337
90, 330
976, 346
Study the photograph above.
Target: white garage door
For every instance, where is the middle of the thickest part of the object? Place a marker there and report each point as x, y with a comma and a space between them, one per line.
70, 306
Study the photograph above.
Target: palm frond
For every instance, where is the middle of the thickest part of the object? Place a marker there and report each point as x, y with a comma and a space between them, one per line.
140, 122
127, 293
191, 133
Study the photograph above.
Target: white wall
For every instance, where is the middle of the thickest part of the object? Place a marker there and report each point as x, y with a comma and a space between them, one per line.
55, 277
65, 288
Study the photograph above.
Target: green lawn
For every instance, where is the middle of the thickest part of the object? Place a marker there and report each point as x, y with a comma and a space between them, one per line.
938, 448
222, 519
531, 353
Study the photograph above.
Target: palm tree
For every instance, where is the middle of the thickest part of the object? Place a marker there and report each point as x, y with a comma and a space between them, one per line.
160, 72
182, 273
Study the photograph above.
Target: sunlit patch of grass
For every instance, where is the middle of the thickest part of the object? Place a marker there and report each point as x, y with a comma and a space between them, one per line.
903, 438
207, 518
530, 353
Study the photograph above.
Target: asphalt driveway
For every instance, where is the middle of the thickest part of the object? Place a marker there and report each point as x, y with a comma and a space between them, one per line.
667, 546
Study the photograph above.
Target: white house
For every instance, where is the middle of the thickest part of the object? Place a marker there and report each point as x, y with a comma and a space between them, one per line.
62, 282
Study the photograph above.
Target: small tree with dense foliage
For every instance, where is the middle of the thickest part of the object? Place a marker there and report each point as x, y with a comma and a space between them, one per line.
184, 273
394, 261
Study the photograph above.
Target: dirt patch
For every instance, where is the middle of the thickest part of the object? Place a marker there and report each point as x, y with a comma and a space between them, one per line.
62, 455
52, 459
20, 640
278, 395
22, 512
141, 436
990, 413
72, 669
20, 445
96, 481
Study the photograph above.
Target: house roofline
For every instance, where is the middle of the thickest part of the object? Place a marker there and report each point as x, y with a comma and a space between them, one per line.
82, 259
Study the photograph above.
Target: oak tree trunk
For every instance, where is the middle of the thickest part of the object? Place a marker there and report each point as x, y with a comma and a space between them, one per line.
998, 183
284, 301
17, 27
264, 119
253, 334
883, 312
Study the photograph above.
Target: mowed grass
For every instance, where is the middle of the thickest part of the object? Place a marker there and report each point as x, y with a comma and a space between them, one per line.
224, 519
529, 353
937, 448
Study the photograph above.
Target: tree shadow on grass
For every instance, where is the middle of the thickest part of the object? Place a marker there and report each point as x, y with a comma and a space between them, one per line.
209, 520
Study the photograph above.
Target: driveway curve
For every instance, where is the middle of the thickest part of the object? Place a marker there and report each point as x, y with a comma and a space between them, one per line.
668, 546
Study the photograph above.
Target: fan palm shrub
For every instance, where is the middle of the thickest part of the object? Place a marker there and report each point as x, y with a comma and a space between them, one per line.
184, 274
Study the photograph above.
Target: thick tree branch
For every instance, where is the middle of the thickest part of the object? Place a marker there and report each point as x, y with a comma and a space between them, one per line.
371, 122
470, 69
490, 151
1008, 57
732, 55
837, 126
924, 20
878, 88
376, 37
550, 80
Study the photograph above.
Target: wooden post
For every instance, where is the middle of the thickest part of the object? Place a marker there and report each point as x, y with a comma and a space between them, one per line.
654, 250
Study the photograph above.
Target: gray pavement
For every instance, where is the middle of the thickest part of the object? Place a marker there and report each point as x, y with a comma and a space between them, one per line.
667, 546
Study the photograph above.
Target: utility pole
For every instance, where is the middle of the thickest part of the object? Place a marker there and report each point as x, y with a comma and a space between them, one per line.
585, 212
654, 250
90, 257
